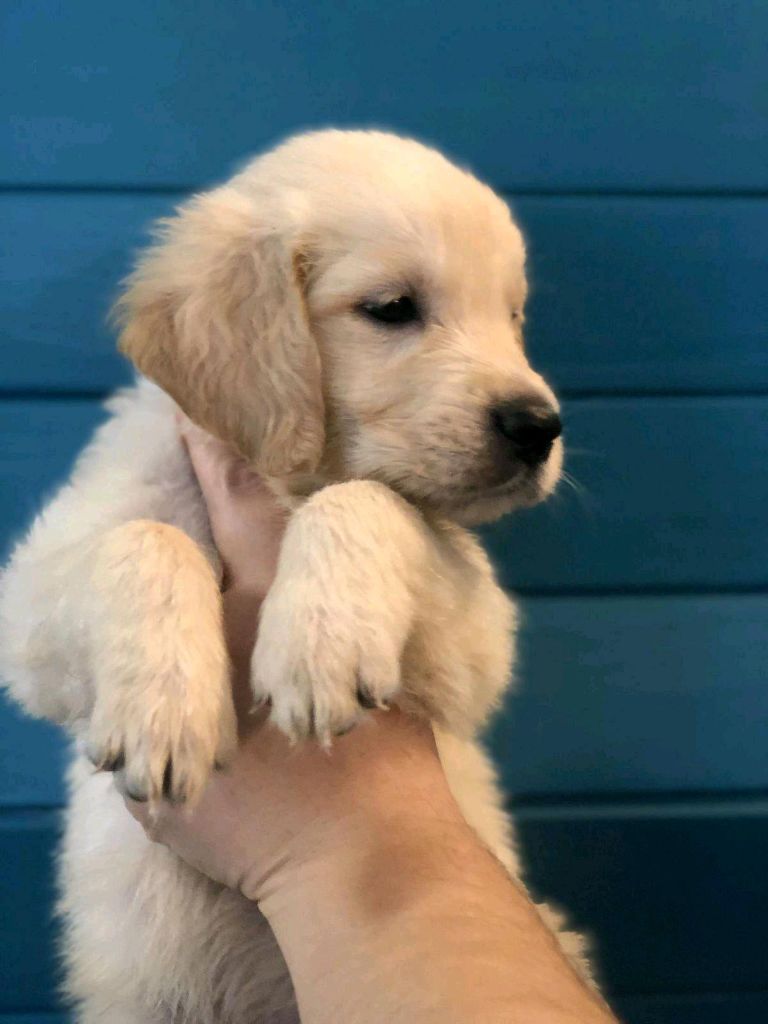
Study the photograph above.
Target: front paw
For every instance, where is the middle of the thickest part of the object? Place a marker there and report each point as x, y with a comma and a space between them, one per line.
163, 730
321, 662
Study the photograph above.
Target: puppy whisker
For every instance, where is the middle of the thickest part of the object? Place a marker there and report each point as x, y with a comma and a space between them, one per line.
586, 501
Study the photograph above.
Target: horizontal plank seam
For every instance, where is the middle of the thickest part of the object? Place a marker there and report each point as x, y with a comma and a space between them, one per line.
655, 996
644, 797
572, 395
756, 588
656, 810
587, 394
513, 191
661, 192
28, 1014
29, 814
57, 394
705, 994
539, 806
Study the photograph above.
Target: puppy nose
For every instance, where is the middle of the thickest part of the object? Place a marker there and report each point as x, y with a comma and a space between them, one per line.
528, 429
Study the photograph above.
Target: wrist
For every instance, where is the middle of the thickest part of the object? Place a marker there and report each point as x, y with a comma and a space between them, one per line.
378, 798
372, 885
405, 854
418, 915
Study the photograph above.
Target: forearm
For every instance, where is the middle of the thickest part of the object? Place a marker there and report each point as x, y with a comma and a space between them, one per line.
413, 921
385, 904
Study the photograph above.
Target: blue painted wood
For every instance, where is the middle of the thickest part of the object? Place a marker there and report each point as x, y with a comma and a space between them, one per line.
560, 95
624, 694
674, 493
648, 294
60, 271
671, 895
28, 971
655, 886
33, 756
620, 695
749, 1008
40, 442
720, 1008
614, 696
627, 294
33, 1018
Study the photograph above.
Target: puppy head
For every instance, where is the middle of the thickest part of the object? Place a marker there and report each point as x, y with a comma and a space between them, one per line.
351, 305
215, 314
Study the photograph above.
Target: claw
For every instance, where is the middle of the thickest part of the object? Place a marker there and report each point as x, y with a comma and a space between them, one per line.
138, 796
106, 763
365, 698
168, 781
115, 763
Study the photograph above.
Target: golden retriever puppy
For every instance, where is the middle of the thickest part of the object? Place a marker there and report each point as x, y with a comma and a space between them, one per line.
347, 311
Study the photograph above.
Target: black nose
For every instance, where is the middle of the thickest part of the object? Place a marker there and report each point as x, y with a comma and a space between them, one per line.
528, 429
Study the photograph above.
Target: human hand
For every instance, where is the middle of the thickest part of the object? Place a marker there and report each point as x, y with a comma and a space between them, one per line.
279, 805
247, 524
385, 905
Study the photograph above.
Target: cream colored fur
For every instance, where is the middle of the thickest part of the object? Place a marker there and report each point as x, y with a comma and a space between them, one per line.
246, 314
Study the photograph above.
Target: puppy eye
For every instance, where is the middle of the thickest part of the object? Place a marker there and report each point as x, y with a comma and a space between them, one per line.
516, 315
402, 310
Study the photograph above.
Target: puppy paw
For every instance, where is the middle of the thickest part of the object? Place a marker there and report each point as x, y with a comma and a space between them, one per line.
165, 729
321, 662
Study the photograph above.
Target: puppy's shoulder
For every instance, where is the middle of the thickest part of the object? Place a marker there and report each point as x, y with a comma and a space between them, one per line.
140, 430
134, 466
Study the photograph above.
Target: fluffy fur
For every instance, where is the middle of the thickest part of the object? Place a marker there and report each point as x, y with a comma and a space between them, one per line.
247, 313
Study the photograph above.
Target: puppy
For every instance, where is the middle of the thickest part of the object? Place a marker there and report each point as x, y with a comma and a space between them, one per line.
347, 311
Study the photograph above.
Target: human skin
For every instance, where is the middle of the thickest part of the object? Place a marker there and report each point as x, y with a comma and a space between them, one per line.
385, 905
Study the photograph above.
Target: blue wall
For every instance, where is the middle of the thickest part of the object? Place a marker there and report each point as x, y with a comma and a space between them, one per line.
632, 140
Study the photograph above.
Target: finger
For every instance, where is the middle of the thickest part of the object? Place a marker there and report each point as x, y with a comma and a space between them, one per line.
210, 457
141, 812
224, 475
203, 444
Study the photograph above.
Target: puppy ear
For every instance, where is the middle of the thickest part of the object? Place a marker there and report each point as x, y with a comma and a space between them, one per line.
214, 313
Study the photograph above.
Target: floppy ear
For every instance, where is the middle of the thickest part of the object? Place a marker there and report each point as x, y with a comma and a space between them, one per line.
214, 313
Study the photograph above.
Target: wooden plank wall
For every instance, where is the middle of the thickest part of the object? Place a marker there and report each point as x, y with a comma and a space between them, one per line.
632, 140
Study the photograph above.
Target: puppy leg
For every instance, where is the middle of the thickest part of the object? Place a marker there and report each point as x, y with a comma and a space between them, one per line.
120, 636
372, 602
163, 712
335, 622
458, 659
473, 782
142, 930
